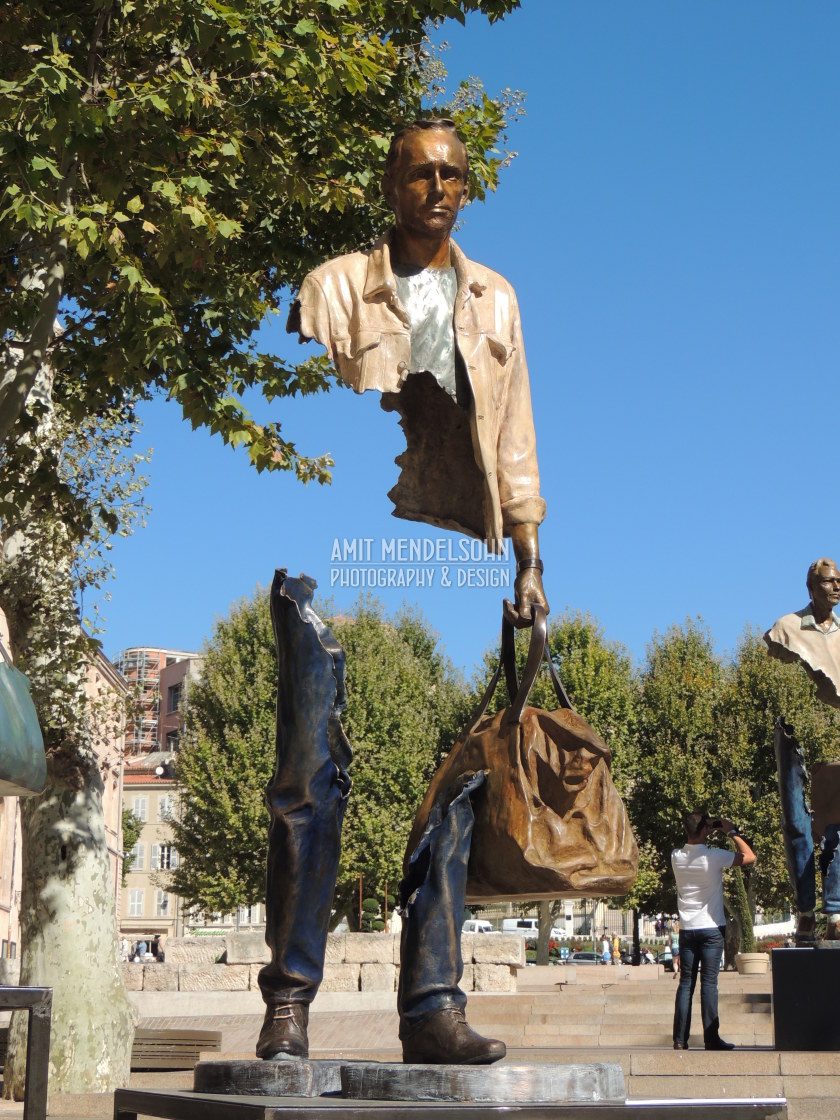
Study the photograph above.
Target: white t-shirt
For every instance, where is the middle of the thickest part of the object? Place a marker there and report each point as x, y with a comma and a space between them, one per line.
699, 874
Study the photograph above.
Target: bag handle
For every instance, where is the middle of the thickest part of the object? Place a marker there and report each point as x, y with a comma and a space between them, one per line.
520, 691
7, 657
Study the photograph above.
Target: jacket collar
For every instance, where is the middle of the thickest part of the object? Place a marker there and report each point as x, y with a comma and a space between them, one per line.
380, 281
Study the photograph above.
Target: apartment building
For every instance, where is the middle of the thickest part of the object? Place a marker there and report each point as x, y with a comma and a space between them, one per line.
148, 910
142, 667
107, 694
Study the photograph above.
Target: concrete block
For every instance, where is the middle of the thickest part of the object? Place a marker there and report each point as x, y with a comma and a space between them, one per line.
811, 1108
341, 978
800, 1063
819, 1086
468, 979
158, 977
193, 950
703, 1062
708, 1086
246, 948
369, 948
494, 978
132, 975
378, 977
214, 977
467, 942
336, 949
500, 948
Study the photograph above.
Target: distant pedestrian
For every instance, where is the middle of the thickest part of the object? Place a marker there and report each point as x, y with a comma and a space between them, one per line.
675, 948
698, 870
606, 949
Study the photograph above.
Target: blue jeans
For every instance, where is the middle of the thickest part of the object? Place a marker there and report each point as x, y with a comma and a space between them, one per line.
796, 829
700, 949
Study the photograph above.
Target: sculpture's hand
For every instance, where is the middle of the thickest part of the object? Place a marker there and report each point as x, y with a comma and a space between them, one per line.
528, 591
528, 588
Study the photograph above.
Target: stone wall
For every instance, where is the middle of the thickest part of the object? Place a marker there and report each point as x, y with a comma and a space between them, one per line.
354, 962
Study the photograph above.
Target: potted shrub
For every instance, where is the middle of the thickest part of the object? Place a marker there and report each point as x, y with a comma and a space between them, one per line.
747, 961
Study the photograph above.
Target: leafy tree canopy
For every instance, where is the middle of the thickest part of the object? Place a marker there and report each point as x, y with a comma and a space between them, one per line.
169, 170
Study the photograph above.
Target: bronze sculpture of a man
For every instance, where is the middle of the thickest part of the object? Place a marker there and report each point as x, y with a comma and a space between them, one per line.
811, 638
440, 337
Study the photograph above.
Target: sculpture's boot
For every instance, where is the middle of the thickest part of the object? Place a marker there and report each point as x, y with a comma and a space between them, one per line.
830, 875
806, 928
283, 1033
432, 894
306, 799
796, 826
446, 1037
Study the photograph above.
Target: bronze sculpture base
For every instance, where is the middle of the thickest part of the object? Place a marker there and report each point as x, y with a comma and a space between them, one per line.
386, 1081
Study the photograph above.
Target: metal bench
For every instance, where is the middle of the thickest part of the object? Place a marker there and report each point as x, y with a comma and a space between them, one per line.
38, 1002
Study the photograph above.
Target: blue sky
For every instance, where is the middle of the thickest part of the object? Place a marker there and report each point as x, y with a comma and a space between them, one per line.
672, 228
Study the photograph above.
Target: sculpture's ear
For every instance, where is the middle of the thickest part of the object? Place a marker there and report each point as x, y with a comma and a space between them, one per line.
465, 194
388, 191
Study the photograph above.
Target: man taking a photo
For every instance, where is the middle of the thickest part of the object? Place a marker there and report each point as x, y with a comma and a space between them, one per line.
698, 870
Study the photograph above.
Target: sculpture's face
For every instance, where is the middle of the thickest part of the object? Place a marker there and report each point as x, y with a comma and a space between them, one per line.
428, 184
577, 768
825, 588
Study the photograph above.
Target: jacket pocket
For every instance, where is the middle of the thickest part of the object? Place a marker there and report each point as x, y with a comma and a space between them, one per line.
499, 367
500, 349
352, 355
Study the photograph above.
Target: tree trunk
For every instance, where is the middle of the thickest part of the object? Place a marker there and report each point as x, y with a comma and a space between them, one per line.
68, 913
69, 943
544, 938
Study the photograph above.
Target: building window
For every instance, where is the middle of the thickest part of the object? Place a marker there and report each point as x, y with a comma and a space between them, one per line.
141, 808
249, 915
173, 738
164, 857
166, 806
137, 858
135, 904
161, 904
173, 698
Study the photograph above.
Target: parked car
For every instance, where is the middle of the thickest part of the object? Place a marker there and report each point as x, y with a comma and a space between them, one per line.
476, 925
665, 958
584, 956
558, 933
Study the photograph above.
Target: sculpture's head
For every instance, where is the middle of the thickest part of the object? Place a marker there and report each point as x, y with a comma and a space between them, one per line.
823, 583
425, 180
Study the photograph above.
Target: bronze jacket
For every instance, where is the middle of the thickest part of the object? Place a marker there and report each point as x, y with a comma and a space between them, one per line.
474, 471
